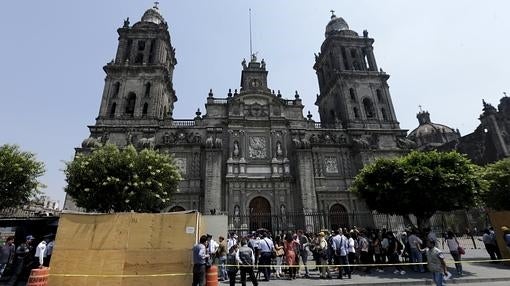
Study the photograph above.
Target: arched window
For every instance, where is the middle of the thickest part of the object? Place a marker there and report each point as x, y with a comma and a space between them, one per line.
116, 89
164, 112
356, 112
352, 94
384, 115
112, 110
379, 95
332, 114
147, 89
145, 109
369, 107
130, 104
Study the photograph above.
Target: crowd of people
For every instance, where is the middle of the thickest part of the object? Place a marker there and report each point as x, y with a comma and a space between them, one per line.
17, 261
337, 254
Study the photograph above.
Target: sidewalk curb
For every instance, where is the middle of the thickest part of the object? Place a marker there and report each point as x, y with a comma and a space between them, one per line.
430, 282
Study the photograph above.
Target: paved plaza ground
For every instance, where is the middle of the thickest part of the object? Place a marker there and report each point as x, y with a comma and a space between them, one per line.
477, 272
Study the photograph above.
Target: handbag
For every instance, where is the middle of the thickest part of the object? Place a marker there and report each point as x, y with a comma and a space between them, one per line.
461, 250
280, 252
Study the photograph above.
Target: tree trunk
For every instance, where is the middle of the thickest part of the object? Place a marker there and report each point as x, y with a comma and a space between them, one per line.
423, 221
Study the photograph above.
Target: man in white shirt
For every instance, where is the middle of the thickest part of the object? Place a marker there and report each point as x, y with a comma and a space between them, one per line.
340, 247
40, 253
266, 247
211, 250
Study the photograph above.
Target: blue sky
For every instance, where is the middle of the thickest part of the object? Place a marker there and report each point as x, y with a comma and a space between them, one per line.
444, 55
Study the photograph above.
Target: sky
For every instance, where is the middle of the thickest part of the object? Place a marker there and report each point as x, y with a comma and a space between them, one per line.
443, 55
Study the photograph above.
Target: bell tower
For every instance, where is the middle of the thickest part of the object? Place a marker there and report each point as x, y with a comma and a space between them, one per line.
353, 92
138, 84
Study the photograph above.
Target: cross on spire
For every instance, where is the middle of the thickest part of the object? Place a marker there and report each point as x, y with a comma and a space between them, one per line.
332, 13
419, 106
156, 3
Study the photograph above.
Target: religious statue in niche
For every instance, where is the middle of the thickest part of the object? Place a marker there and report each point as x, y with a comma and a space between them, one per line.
283, 214
279, 151
236, 152
257, 147
237, 215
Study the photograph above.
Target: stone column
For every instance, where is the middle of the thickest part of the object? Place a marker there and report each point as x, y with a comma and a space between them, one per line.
212, 186
306, 179
371, 59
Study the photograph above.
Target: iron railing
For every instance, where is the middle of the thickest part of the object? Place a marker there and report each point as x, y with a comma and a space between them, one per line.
460, 222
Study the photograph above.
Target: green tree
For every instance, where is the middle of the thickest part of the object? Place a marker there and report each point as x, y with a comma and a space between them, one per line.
498, 177
420, 183
19, 173
113, 179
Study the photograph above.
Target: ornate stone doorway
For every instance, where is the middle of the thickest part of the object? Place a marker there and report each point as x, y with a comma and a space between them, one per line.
260, 214
338, 216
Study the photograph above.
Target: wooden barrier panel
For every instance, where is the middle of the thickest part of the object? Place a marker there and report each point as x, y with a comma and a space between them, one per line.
124, 249
499, 220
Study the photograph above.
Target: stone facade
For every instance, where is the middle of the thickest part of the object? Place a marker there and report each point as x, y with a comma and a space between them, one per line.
490, 141
253, 151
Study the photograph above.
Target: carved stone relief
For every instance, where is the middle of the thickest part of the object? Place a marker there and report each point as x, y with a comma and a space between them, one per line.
180, 163
257, 147
331, 164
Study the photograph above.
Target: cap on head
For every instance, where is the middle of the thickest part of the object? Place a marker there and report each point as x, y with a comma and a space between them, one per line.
29, 237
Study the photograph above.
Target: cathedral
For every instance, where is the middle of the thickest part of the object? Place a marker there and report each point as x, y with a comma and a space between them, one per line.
252, 154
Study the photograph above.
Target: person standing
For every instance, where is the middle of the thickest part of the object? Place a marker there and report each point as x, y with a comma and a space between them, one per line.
200, 257
212, 247
322, 249
246, 259
489, 241
393, 253
266, 247
232, 264
435, 262
415, 245
303, 252
340, 249
7, 254
280, 252
221, 253
40, 253
453, 246
291, 249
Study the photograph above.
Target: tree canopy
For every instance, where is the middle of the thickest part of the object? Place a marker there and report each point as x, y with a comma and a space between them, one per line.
19, 173
419, 183
112, 179
498, 177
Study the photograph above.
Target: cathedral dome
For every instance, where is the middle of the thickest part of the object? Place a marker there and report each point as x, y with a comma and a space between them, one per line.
431, 134
336, 24
152, 15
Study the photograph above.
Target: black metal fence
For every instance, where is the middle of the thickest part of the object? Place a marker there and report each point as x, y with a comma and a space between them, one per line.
460, 222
